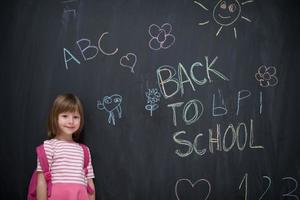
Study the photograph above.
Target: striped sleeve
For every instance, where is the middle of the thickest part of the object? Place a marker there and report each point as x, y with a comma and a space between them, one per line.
90, 167
48, 146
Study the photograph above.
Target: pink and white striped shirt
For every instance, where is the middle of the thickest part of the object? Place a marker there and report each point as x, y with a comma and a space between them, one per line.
66, 162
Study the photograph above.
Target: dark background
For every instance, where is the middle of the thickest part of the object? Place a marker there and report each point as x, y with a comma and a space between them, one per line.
136, 159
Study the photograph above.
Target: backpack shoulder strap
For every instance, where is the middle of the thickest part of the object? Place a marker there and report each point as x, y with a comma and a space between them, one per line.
42, 158
86, 156
40, 150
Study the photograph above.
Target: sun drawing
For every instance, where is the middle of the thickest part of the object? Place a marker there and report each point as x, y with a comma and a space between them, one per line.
226, 13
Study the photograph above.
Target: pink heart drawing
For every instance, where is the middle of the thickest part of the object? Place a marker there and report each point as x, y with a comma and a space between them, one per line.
129, 60
184, 180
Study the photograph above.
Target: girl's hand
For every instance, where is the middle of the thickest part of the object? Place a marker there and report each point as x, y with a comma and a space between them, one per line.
90, 182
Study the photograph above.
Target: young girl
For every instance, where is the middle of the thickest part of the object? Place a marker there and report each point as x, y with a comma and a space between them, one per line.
65, 155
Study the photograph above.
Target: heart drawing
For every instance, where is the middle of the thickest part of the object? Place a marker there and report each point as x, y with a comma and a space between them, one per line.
112, 105
193, 185
129, 61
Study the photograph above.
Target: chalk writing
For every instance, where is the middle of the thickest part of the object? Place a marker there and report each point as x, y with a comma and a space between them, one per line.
266, 76
242, 94
197, 112
245, 179
87, 50
129, 61
69, 59
161, 37
225, 14
195, 107
167, 75
90, 49
111, 104
269, 185
288, 194
193, 185
221, 109
101, 49
217, 141
153, 96
260, 101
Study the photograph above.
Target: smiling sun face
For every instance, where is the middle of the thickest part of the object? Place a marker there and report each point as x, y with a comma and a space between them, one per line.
226, 13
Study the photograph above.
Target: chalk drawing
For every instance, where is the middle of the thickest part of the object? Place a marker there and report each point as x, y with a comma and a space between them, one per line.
225, 13
129, 61
289, 188
161, 37
193, 185
266, 76
153, 97
112, 105
70, 7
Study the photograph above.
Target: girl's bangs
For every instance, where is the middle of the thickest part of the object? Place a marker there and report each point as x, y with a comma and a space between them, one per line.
69, 107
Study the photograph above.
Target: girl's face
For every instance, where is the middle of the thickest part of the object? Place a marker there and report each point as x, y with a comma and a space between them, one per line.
68, 123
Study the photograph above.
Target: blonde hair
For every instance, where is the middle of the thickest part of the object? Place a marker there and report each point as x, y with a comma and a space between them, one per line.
64, 103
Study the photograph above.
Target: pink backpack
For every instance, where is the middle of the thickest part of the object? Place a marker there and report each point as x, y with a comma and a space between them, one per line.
47, 174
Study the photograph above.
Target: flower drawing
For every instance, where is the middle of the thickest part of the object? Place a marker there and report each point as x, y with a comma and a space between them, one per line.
266, 76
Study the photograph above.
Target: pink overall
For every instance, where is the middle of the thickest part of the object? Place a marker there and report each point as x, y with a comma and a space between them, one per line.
68, 191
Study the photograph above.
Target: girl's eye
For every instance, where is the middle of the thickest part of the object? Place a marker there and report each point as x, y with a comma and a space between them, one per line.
76, 117
64, 116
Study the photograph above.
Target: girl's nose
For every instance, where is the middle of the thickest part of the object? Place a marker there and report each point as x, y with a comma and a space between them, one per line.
71, 120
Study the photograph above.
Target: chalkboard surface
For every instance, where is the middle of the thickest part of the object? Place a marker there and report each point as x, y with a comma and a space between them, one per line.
183, 99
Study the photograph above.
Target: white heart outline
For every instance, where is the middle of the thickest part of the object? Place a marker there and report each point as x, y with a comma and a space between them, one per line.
127, 58
193, 185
